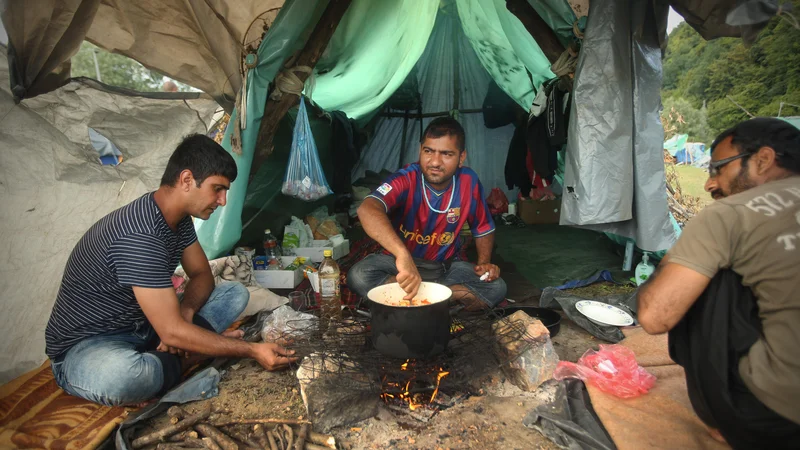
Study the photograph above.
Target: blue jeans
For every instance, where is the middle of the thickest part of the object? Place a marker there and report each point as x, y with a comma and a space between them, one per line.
375, 270
123, 367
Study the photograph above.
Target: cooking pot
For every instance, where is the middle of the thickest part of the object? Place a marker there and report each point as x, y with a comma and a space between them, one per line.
417, 331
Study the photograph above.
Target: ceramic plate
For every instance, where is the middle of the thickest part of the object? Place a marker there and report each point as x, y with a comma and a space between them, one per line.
604, 314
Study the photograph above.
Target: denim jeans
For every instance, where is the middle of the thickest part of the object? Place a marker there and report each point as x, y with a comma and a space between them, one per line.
375, 269
122, 367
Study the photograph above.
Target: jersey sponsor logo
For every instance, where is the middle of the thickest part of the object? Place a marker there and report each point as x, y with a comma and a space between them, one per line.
443, 239
453, 215
384, 189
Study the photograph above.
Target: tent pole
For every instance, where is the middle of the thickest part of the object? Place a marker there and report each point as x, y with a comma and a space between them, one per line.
537, 27
274, 110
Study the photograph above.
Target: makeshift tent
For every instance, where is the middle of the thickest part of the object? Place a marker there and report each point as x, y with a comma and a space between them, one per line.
693, 154
55, 188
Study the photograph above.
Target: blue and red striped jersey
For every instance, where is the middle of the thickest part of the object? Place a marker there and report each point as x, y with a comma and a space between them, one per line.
429, 234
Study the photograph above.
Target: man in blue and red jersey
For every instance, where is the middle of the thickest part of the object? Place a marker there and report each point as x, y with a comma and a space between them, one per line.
417, 215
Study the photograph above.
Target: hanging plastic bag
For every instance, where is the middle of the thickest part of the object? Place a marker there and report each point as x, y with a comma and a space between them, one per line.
304, 177
612, 369
497, 202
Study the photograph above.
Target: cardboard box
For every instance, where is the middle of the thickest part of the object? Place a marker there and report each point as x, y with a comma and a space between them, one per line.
539, 212
314, 253
279, 279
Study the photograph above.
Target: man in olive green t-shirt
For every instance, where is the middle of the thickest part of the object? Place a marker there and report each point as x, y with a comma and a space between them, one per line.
753, 230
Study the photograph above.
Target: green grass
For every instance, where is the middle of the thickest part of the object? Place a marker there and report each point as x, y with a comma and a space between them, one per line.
693, 181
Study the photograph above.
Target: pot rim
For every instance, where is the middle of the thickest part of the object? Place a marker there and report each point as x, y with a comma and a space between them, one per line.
432, 303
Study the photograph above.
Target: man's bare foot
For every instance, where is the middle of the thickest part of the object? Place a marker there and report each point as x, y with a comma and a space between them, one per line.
235, 334
716, 435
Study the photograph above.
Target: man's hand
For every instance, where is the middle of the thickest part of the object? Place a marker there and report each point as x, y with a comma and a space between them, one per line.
491, 269
408, 276
272, 356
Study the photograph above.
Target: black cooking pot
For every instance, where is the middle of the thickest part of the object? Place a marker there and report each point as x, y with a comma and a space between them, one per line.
410, 332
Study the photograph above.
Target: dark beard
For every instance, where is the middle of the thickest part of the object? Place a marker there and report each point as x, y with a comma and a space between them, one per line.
742, 182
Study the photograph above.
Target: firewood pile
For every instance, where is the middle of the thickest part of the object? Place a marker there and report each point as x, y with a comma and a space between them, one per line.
208, 430
682, 206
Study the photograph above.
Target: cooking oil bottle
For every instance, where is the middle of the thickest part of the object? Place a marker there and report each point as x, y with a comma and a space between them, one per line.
330, 302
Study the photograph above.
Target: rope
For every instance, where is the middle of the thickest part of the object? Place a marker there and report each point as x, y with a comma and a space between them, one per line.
566, 63
576, 30
287, 82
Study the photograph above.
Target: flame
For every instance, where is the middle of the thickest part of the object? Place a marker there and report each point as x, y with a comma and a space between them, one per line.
416, 400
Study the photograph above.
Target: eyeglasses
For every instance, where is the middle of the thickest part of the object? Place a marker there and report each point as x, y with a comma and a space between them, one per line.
714, 166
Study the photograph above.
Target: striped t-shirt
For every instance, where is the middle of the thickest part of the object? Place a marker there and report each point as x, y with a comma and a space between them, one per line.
132, 246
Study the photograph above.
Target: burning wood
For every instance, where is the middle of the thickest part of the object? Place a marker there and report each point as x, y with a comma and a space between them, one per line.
411, 386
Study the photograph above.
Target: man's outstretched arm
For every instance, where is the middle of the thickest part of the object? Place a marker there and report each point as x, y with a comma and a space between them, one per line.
667, 296
201, 280
484, 246
162, 309
372, 214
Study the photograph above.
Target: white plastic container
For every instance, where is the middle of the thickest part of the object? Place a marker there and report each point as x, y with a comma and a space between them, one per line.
643, 270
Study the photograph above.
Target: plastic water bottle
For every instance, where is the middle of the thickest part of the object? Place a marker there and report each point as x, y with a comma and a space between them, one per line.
272, 251
330, 302
643, 270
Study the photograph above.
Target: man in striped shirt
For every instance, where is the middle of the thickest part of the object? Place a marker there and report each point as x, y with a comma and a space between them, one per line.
417, 215
118, 334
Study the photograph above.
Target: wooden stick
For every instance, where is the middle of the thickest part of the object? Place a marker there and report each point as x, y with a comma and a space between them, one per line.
210, 444
537, 27
243, 438
261, 436
301, 436
171, 429
174, 446
289, 436
261, 421
322, 439
271, 439
225, 442
183, 435
312, 446
274, 110
194, 442
281, 441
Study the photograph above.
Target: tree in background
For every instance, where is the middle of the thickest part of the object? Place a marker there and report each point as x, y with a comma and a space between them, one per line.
723, 73
679, 116
118, 70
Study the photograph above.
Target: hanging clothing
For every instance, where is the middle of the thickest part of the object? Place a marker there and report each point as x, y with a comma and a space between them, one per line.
547, 132
708, 343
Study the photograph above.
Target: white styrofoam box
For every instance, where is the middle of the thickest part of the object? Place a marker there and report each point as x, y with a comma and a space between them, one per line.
314, 253
280, 279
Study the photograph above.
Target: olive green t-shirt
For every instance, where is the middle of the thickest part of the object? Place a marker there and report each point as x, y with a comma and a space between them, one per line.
756, 233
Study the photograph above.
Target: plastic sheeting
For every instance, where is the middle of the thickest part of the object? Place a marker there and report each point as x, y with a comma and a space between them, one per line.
449, 54
356, 92
54, 189
614, 176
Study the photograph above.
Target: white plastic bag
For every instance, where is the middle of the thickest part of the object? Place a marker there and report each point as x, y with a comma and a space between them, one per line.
304, 176
285, 324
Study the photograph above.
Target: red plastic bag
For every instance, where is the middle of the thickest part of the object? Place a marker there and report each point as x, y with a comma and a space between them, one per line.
612, 369
497, 202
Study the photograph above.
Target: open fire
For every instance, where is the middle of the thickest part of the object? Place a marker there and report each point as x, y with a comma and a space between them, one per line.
410, 385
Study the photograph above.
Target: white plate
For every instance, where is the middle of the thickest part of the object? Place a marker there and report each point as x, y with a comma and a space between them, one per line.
604, 314
390, 294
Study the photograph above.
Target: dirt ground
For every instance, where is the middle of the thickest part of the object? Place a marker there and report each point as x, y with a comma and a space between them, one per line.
490, 419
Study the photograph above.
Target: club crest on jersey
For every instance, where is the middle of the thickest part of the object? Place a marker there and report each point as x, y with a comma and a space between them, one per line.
384, 189
453, 214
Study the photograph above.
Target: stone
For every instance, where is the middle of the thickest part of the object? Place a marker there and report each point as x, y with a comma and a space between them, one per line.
525, 342
335, 392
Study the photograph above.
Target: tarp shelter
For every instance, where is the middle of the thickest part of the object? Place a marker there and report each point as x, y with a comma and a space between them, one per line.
55, 188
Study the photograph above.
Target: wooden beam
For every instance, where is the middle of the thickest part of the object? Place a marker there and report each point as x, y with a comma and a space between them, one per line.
274, 110
537, 27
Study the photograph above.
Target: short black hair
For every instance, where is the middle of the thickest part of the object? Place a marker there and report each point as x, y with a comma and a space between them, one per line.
445, 126
749, 136
203, 157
